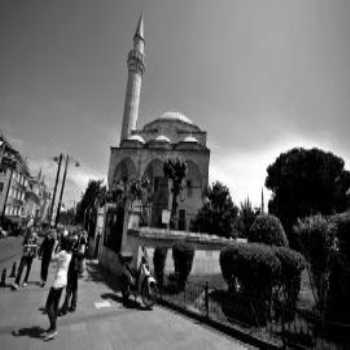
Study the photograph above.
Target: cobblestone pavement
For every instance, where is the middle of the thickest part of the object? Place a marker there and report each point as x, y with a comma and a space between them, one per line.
100, 322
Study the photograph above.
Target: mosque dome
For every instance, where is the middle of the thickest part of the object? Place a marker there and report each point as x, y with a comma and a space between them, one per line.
162, 138
137, 138
190, 139
175, 116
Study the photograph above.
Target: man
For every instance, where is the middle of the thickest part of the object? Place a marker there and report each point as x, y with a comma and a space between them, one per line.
30, 248
45, 252
74, 271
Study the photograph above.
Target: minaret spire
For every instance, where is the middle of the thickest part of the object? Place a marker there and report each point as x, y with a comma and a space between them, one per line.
139, 30
136, 68
262, 201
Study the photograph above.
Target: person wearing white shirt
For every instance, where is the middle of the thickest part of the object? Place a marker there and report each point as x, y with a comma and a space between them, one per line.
62, 259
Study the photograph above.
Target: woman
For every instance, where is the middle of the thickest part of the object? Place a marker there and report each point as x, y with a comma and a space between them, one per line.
62, 259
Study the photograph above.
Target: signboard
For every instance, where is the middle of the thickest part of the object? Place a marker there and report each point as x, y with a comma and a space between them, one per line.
166, 216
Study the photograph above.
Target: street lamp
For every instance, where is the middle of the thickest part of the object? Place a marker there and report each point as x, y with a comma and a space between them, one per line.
57, 159
76, 163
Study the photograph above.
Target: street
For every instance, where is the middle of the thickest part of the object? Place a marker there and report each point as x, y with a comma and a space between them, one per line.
100, 322
10, 251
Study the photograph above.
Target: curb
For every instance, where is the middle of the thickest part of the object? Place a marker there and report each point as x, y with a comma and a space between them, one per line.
229, 330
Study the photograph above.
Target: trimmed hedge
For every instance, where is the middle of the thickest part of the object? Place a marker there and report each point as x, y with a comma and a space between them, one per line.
342, 223
260, 271
253, 264
269, 230
292, 265
256, 268
338, 308
183, 255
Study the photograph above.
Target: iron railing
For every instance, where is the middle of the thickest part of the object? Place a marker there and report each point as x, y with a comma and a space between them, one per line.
273, 323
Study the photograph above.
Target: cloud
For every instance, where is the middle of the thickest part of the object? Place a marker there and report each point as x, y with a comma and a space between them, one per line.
244, 173
76, 182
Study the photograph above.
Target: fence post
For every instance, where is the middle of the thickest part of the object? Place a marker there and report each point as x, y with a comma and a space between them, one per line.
206, 295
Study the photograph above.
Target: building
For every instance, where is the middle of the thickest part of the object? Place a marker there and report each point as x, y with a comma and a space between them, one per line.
37, 199
143, 150
21, 195
14, 182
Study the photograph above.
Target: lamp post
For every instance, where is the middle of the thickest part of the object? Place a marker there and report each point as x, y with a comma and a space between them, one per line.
59, 161
68, 158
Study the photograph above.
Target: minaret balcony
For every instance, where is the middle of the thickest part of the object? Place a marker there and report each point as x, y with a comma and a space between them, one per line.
136, 55
136, 61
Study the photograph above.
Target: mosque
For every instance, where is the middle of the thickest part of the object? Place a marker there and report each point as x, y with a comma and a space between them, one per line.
143, 150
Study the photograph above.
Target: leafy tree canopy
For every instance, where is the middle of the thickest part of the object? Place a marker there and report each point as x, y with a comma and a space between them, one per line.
218, 214
306, 182
94, 192
246, 217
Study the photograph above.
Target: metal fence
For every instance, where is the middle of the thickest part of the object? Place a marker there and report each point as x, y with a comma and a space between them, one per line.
271, 323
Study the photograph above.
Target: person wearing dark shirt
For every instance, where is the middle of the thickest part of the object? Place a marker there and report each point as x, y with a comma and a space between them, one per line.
30, 248
45, 252
74, 271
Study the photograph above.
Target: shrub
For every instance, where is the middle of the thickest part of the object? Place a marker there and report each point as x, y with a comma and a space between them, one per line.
183, 255
269, 230
318, 238
159, 258
292, 265
253, 264
338, 308
342, 224
257, 269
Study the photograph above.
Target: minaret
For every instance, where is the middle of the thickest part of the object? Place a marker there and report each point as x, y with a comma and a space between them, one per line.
262, 202
136, 68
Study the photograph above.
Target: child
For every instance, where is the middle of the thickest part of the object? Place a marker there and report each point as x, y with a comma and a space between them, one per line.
62, 259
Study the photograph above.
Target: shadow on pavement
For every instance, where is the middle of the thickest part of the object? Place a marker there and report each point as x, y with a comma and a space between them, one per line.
34, 283
32, 332
97, 274
131, 303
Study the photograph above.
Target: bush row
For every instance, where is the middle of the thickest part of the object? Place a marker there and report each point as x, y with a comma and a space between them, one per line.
259, 270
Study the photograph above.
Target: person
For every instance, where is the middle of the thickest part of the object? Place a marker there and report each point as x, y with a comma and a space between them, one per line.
62, 259
45, 252
74, 271
30, 248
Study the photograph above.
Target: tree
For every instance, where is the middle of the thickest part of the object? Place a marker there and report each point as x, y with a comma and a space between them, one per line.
93, 193
306, 182
319, 245
268, 229
176, 171
246, 217
67, 217
218, 214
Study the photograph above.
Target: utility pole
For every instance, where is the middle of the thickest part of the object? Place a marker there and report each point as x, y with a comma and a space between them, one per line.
55, 188
62, 190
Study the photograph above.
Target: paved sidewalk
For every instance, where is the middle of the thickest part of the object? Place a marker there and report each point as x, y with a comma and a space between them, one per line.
100, 322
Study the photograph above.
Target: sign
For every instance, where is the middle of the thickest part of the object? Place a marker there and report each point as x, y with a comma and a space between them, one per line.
166, 216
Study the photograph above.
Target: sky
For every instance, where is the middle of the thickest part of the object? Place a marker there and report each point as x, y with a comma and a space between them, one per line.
260, 77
